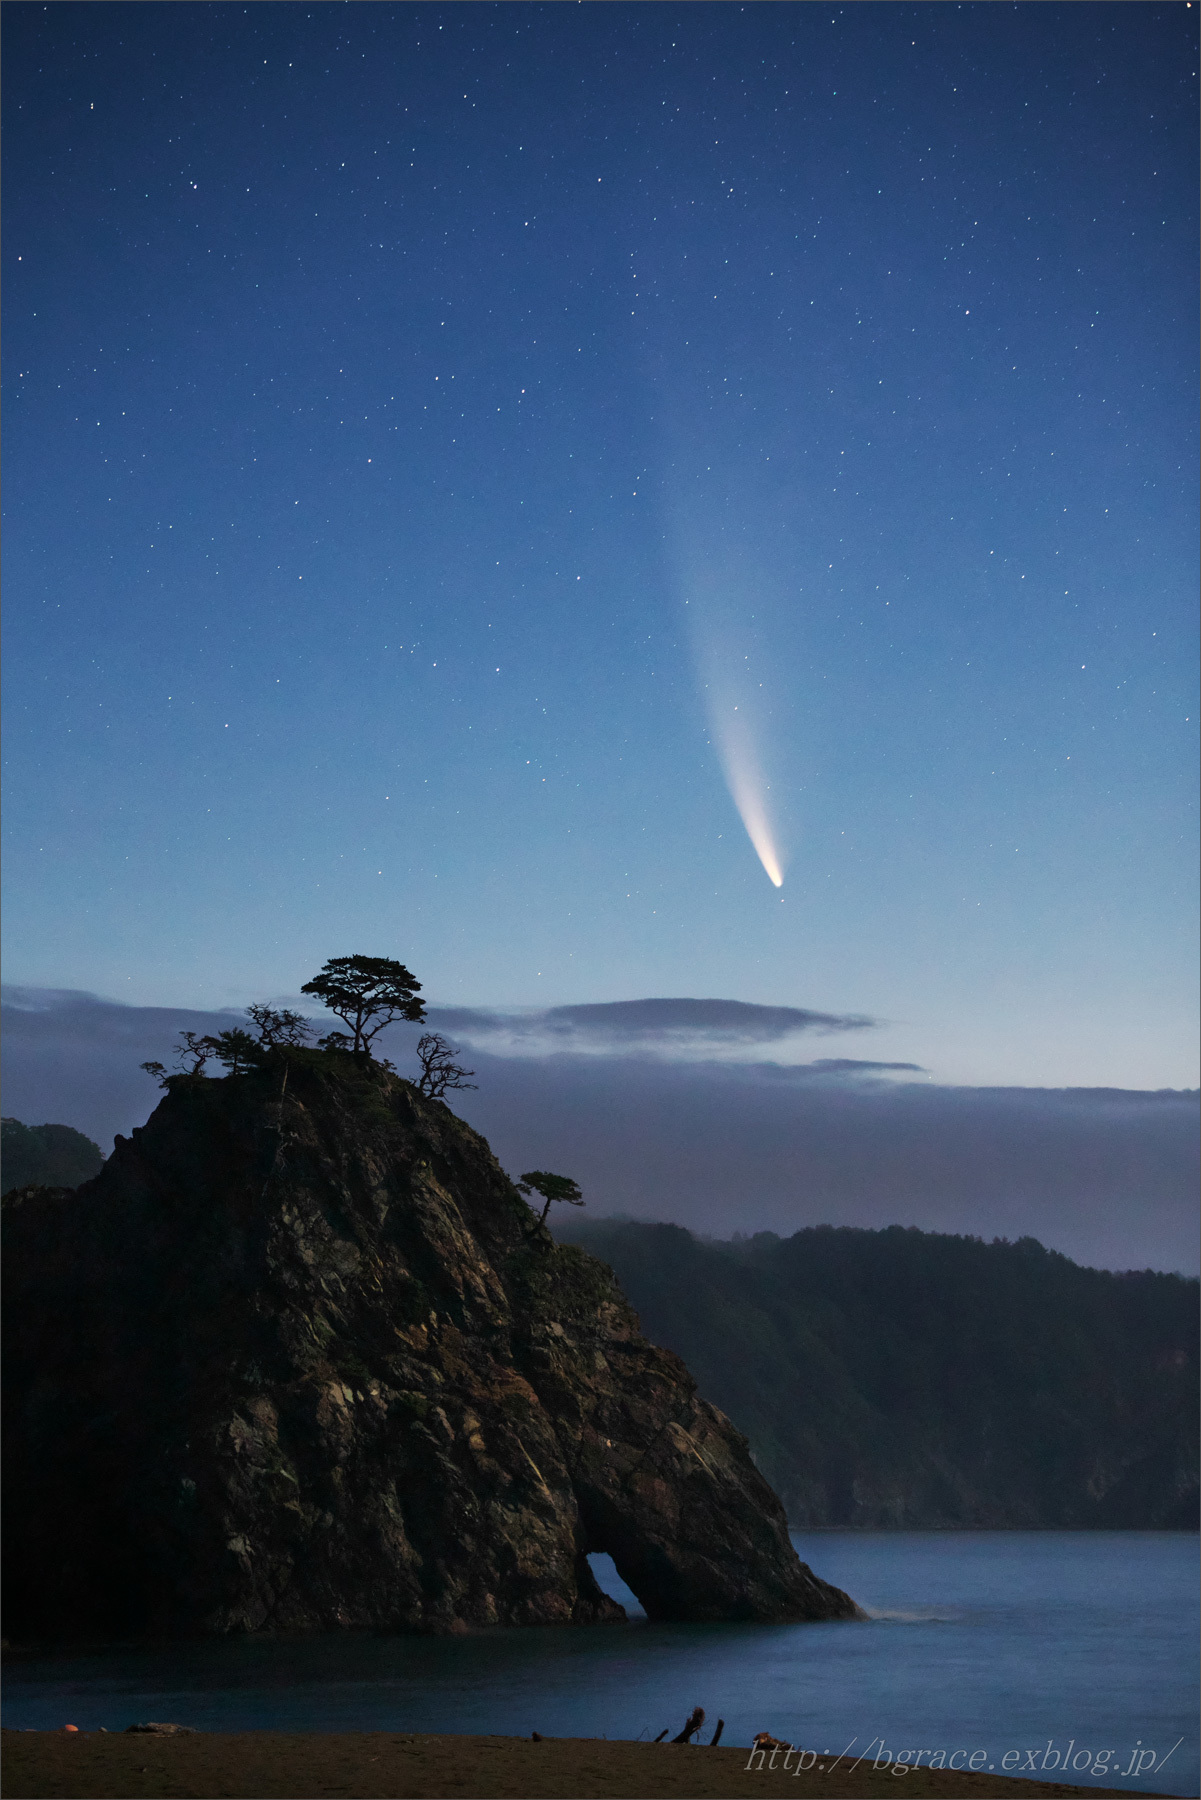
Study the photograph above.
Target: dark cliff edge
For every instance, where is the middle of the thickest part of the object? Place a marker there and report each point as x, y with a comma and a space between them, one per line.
301, 1358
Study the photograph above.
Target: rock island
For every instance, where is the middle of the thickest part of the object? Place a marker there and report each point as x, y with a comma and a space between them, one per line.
302, 1358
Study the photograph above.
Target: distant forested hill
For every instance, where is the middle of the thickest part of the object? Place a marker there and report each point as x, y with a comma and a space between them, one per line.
904, 1378
46, 1156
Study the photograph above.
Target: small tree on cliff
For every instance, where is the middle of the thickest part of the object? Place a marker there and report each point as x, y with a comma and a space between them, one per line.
235, 1050
193, 1051
277, 1029
550, 1187
367, 993
439, 1071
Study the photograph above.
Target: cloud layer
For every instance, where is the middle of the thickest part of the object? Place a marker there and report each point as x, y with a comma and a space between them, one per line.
1107, 1175
675, 1028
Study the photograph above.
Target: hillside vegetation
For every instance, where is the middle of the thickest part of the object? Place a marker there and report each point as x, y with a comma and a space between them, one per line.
46, 1156
905, 1378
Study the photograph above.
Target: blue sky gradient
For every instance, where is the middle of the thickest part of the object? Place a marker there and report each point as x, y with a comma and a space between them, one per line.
426, 424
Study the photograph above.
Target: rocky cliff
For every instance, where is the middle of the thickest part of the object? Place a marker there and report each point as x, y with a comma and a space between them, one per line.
301, 1357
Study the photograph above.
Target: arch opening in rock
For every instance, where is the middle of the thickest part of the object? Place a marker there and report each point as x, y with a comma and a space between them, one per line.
604, 1573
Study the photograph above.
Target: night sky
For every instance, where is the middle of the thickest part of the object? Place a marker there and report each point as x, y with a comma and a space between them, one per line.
457, 456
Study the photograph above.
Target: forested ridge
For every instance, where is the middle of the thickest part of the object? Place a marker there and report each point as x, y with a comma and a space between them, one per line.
46, 1156
907, 1378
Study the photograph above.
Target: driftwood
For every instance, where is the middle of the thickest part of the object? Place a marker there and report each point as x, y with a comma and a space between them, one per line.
721, 1725
663, 1734
692, 1725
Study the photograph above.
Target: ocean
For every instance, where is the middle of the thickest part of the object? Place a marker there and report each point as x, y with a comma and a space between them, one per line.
1070, 1654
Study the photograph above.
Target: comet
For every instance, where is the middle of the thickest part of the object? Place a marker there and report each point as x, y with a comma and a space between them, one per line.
744, 778
729, 597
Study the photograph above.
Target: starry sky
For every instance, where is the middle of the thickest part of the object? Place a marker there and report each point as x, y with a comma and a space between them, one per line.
460, 458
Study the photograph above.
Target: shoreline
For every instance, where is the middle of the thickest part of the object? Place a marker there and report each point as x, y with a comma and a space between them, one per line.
270, 1765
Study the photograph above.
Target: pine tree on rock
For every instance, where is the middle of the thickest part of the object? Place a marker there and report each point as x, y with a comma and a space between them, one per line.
550, 1187
367, 993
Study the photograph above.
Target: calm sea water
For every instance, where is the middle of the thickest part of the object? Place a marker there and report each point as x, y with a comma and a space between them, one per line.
1044, 1644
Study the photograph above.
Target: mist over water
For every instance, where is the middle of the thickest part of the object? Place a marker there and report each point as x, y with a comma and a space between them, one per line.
1108, 1176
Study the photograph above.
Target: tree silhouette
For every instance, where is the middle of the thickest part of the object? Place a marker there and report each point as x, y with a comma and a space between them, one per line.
438, 1071
194, 1049
550, 1187
236, 1050
367, 993
278, 1028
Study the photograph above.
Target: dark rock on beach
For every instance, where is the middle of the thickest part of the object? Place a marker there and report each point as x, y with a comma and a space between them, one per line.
301, 1357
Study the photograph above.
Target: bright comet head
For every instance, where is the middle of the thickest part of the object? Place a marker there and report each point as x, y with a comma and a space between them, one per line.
748, 790
721, 585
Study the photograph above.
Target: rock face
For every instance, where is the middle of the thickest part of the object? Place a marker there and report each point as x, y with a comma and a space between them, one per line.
300, 1357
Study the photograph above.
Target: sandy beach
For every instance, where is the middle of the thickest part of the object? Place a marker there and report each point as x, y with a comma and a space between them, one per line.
261, 1765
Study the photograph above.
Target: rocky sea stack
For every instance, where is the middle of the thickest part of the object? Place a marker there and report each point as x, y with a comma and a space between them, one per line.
301, 1357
